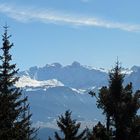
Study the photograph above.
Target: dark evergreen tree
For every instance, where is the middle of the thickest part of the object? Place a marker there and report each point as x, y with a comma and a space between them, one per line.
103, 102
69, 128
124, 103
135, 129
119, 103
23, 127
99, 132
13, 118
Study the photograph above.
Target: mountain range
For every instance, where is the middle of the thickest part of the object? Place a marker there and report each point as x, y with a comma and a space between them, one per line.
54, 88
79, 76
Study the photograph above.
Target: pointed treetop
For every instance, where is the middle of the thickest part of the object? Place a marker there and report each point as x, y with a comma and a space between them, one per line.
6, 27
117, 59
118, 62
117, 68
5, 35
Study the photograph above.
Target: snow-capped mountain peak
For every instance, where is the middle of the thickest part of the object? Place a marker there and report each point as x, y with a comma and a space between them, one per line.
26, 81
76, 75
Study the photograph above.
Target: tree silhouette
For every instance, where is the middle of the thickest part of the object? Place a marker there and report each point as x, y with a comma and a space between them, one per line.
69, 128
99, 132
12, 106
119, 104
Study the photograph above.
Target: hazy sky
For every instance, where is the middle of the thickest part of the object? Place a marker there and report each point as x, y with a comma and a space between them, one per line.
93, 32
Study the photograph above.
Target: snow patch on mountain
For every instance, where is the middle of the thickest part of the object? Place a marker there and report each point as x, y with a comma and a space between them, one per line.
26, 81
81, 91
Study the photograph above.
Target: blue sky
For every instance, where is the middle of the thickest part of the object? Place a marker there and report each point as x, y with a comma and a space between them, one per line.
93, 32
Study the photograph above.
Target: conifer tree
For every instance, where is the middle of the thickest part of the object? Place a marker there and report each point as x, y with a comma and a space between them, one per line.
104, 103
119, 103
124, 103
99, 132
12, 106
135, 129
69, 128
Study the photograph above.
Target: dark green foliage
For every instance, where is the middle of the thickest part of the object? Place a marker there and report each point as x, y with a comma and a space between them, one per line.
24, 125
69, 128
135, 129
14, 117
99, 132
119, 104
124, 103
103, 102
